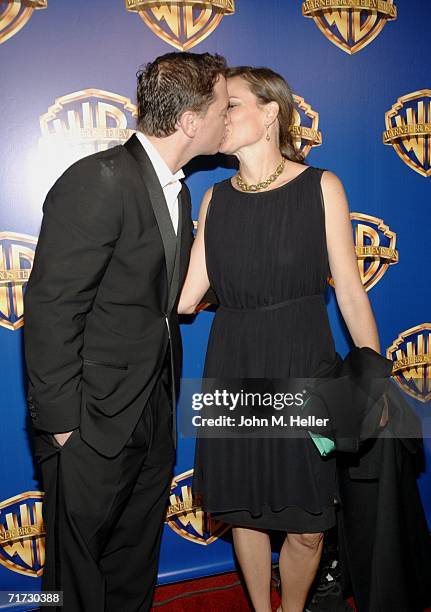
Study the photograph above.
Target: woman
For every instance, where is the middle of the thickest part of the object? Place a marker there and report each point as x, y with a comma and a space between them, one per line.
266, 242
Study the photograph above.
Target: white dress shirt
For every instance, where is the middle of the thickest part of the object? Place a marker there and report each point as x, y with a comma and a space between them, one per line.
169, 182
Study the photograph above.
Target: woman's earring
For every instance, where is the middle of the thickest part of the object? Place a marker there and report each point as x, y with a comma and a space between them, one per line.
268, 137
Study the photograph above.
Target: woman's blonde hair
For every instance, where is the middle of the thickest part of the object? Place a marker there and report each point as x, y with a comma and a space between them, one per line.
268, 86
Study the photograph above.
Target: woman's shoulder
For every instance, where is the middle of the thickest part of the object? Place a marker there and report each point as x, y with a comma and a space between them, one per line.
210, 195
218, 187
329, 174
212, 190
327, 177
297, 168
316, 169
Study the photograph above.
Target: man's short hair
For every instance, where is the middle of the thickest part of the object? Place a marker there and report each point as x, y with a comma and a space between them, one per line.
172, 84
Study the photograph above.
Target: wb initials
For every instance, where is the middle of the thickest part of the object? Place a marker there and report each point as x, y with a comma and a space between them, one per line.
182, 24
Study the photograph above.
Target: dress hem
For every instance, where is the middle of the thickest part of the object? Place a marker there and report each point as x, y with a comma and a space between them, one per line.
290, 519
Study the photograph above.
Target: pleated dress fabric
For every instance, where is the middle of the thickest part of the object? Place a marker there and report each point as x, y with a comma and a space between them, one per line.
267, 262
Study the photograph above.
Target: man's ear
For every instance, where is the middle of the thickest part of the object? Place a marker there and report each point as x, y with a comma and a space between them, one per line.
188, 123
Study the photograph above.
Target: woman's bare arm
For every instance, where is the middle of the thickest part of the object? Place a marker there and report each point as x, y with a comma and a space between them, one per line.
350, 292
351, 295
196, 283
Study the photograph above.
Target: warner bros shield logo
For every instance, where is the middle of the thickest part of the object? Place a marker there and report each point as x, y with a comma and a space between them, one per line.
186, 517
14, 14
375, 246
82, 123
16, 261
350, 24
22, 534
92, 119
182, 23
305, 126
411, 354
408, 130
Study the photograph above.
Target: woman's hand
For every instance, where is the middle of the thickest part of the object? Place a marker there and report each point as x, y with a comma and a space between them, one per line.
196, 283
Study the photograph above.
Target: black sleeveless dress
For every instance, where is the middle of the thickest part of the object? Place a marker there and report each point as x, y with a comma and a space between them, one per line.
267, 262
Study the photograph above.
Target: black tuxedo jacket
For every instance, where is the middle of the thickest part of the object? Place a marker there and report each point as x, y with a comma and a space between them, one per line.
101, 301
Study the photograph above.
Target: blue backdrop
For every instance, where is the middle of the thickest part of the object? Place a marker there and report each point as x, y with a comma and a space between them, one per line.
68, 89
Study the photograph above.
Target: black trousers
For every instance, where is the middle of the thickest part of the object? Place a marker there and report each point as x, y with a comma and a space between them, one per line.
104, 516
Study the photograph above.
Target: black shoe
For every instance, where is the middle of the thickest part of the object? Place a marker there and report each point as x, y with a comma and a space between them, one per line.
326, 596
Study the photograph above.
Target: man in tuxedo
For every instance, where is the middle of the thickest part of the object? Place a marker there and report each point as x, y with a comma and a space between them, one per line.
102, 340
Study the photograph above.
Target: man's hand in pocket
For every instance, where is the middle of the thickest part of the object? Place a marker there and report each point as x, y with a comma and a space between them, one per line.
61, 438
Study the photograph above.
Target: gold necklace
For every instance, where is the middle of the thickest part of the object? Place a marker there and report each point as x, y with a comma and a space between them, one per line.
263, 184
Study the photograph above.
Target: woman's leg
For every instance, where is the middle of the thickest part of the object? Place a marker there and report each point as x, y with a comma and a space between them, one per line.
253, 551
298, 564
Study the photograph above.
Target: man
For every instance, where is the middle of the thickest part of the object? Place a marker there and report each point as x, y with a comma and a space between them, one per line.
102, 340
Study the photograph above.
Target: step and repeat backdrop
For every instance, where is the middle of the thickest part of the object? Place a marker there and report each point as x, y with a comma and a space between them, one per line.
360, 73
